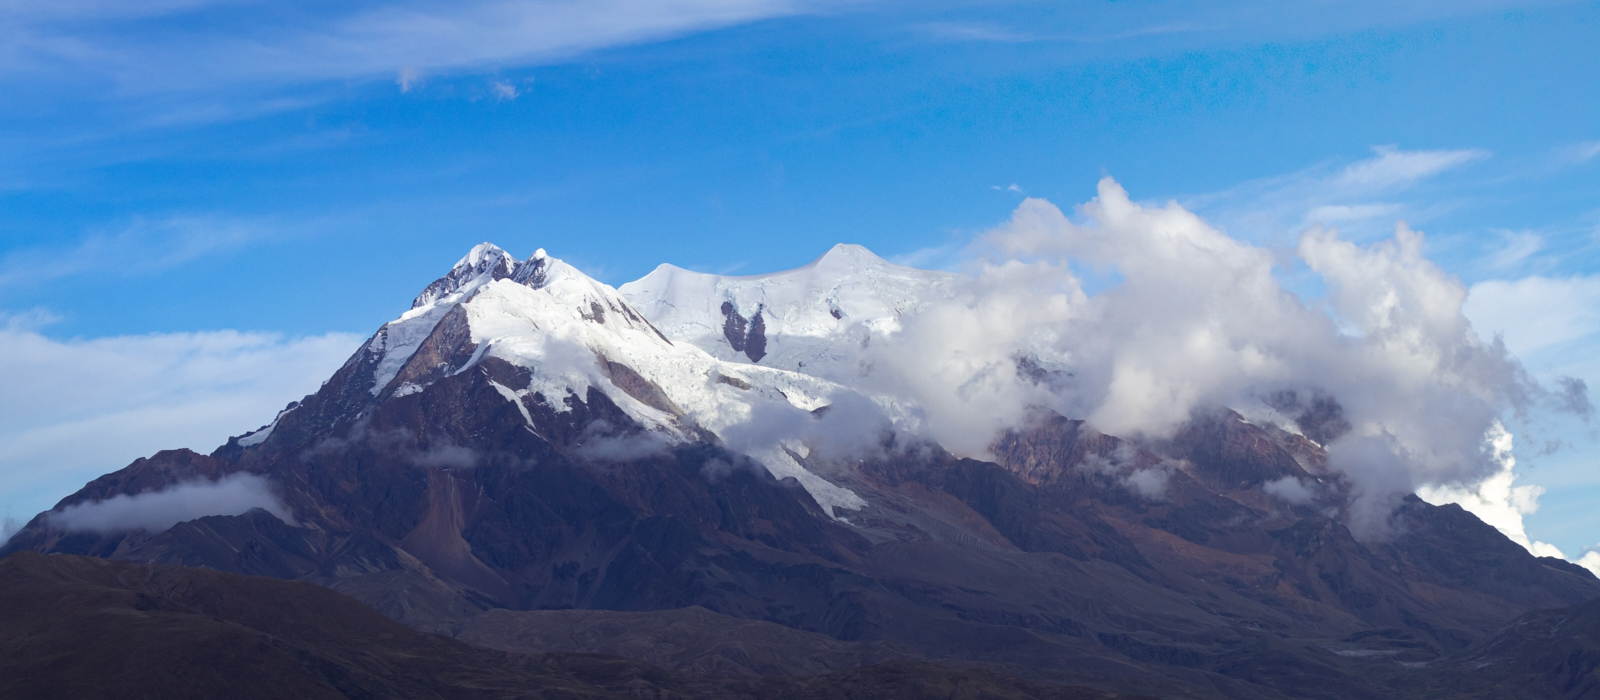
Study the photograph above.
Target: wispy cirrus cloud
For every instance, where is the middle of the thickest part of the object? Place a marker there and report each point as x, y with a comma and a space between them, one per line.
1578, 153
1537, 313
1392, 167
987, 31
201, 44
143, 247
1367, 191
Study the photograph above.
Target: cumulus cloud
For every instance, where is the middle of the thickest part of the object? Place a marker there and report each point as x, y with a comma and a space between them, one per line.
1494, 499
155, 511
71, 410
1591, 560
1197, 319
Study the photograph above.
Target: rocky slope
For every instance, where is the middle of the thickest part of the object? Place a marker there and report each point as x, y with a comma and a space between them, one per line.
527, 439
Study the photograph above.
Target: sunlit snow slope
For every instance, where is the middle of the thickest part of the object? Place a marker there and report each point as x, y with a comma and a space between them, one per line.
811, 319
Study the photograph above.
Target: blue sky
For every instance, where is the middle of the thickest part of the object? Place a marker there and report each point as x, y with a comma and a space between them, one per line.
220, 195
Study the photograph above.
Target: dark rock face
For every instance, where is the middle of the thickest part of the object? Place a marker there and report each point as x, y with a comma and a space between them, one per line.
748, 336
755, 344
734, 326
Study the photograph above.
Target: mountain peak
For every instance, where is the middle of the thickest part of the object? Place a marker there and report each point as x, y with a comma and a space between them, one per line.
483, 252
484, 259
848, 255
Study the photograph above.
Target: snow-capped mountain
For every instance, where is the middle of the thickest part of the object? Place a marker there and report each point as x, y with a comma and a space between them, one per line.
527, 437
574, 334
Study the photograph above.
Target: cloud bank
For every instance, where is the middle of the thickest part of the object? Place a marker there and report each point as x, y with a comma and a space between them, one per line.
155, 511
1197, 319
71, 410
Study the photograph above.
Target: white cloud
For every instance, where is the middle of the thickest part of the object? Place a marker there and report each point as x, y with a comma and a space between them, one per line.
975, 31
503, 90
1199, 318
1494, 499
1337, 213
73, 410
991, 32
155, 511
940, 257
1290, 489
1149, 484
1591, 560
1392, 167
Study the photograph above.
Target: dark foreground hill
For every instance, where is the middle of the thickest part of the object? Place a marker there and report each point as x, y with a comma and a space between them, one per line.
1550, 654
82, 628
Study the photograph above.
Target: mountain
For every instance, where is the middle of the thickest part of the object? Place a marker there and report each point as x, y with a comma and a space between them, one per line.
698, 451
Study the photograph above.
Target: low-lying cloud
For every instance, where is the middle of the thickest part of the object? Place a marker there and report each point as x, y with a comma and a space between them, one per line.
401, 444
155, 511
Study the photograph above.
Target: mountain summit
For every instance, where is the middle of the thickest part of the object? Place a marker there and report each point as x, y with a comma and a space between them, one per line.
525, 438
